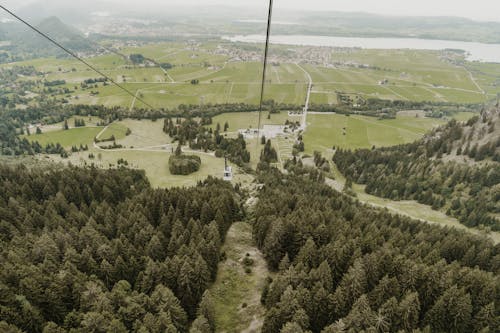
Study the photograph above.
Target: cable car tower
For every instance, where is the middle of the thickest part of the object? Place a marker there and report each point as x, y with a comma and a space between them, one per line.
228, 171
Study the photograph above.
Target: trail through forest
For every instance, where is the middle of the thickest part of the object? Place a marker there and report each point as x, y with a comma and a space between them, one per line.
239, 283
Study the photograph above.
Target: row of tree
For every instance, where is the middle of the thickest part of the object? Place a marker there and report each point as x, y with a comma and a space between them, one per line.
375, 107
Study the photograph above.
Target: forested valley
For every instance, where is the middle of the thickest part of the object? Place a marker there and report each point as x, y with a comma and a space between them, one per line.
249, 166
91, 250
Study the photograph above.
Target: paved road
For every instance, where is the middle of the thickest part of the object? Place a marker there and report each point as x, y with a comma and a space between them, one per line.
309, 89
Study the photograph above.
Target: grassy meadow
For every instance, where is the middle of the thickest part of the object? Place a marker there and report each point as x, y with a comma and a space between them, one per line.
327, 130
67, 139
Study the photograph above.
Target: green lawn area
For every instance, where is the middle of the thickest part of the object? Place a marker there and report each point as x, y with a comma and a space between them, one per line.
155, 164
116, 129
145, 133
463, 116
69, 138
325, 131
243, 120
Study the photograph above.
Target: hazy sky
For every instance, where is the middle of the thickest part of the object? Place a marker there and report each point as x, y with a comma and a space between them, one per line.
476, 9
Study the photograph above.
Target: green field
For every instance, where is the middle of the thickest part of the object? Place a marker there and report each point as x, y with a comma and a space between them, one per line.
67, 139
234, 287
244, 120
155, 164
116, 129
463, 116
325, 131
412, 75
145, 133
144, 149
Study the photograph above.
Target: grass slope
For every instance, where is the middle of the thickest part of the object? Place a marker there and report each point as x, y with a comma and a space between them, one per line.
325, 131
71, 137
234, 287
409, 208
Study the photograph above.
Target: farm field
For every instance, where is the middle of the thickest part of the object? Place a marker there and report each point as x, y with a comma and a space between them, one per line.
463, 116
155, 164
144, 133
326, 130
323, 132
116, 130
408, 75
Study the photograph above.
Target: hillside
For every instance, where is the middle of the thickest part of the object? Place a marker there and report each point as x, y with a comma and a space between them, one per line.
454, 169
33, 45
231, 19
372, 25
344, 267
479, 139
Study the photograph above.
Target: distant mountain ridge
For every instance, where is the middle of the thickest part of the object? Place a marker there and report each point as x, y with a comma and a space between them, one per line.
229, 19
26, 41
374, 25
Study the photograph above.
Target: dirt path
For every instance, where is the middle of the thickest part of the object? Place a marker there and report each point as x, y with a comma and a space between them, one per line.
167, 74
473, 79
237, 293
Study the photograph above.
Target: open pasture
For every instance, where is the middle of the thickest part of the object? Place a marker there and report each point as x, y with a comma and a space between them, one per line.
144, 133
326, 130
155, 164
116, 130
244, 120
67, 139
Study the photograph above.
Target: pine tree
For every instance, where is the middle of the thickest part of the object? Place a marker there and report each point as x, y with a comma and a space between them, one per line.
206, 310
451, 312
361, 317
292, 327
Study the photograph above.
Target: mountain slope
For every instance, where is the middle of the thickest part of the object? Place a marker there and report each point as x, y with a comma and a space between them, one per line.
479, 139
26, 41
455, 169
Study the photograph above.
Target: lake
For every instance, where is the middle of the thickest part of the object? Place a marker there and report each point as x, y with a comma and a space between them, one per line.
475, 51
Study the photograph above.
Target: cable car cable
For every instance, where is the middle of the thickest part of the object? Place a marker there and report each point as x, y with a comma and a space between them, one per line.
266, 52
